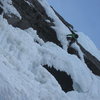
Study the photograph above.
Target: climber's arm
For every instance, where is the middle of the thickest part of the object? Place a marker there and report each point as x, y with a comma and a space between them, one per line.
69, 34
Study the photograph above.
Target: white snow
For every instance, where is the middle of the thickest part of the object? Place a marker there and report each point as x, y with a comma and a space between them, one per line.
22, 55
35, 36
87, 43
59, 27
77, 48
21, 71
9, 8
29, 3
68, 63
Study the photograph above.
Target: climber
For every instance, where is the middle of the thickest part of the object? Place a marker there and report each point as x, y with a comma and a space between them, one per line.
72, 38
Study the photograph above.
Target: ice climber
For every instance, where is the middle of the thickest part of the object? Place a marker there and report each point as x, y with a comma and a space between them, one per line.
72, 38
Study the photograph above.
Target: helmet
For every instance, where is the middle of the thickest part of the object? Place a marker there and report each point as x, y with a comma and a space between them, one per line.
76, 36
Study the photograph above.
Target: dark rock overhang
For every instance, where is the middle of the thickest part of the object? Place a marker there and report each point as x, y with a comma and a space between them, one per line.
1, 10
63, 78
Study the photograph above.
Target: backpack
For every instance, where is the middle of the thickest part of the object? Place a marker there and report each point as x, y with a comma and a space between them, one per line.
76, 36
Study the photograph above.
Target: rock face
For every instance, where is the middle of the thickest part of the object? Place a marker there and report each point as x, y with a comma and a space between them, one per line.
35, 16
63, 79
1, 10
92, 62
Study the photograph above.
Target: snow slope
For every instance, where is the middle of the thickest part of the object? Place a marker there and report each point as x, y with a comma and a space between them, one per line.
22, 76
87, 43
